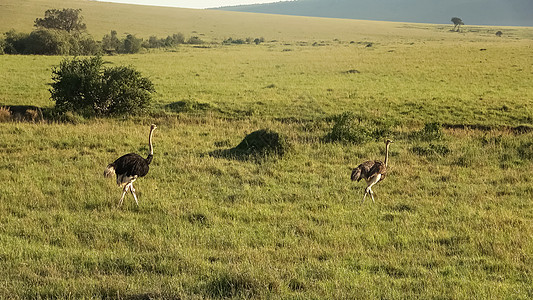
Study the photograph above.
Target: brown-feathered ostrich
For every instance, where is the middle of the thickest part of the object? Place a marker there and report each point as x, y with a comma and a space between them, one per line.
372, 171
129, 167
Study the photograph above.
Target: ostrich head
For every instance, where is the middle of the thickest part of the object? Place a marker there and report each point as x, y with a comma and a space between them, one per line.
388, 141
153, 126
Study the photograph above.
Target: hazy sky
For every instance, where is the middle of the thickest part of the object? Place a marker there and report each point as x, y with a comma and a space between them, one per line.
192, 3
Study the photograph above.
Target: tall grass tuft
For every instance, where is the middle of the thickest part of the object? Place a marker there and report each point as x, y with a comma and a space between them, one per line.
5, 114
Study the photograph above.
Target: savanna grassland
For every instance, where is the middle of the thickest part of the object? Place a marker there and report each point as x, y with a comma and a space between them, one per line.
453, 219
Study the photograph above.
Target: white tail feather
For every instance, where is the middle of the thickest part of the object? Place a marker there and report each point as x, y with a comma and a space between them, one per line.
109, 171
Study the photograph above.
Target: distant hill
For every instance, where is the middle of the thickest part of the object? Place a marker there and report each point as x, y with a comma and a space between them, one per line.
472, 12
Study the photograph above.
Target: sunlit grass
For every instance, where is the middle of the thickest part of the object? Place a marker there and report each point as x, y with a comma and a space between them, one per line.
443, 82
214, 227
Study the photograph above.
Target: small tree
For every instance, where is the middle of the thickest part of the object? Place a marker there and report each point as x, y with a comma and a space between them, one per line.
132, 44
110, 42
85, 87
457, 22
67, 19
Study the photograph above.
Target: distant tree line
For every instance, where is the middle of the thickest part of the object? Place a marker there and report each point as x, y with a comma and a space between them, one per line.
62, 32
248, 40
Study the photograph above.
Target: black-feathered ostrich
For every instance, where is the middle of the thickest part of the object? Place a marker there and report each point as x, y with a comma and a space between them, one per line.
372, 171
129, 167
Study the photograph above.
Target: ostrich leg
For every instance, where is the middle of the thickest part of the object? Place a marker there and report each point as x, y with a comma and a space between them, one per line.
373, 180
124, 191
132, 190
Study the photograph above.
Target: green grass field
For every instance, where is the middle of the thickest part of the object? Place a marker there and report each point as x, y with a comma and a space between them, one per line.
453, 220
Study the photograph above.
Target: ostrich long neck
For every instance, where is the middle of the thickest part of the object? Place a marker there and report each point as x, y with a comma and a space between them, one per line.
150, 142
386, 154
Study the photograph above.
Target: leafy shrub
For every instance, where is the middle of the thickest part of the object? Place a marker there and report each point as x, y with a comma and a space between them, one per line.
125, 91
131, 44
258, 145
111, 42
87, 46
15, 42
345, 130
85, 87
77, 86
153, 42
49, 42
349, 128
169, 41
234, 41
264, 142
175, 39
194, 40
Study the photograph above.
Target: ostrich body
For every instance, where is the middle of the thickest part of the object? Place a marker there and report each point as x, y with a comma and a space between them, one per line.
372, 171
129, 167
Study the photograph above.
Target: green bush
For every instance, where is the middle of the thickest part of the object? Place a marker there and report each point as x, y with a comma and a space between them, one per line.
77, 86
87, 46
194, 40
125, 91
175, 39
264, 142
346, 131
258, 146
349, 128
49, 42
15, 42
131, 44
170, 41
110, 42
85, 87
